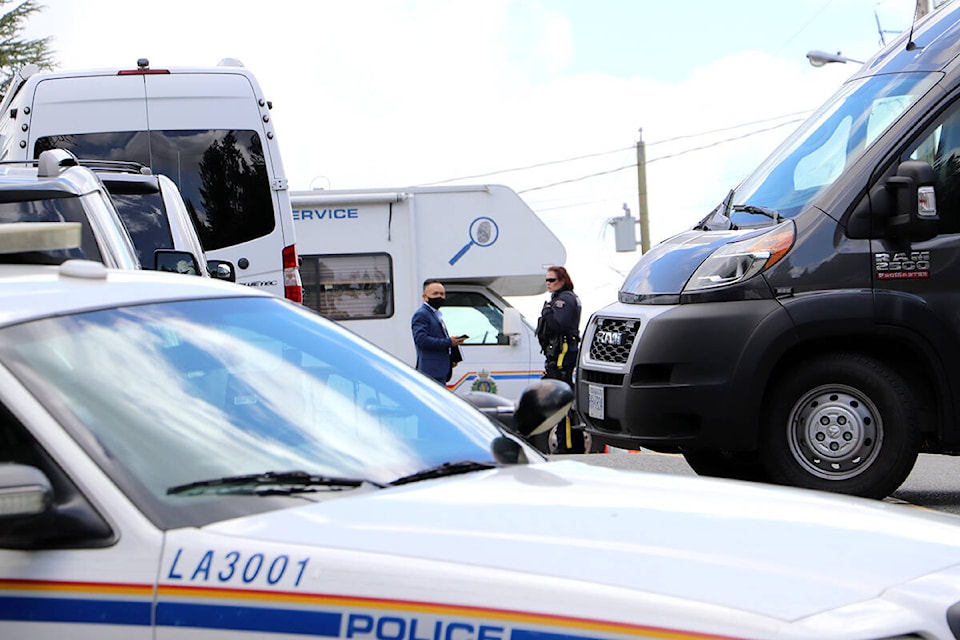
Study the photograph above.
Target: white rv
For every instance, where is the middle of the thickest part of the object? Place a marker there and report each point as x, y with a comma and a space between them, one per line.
365, 255
209, 129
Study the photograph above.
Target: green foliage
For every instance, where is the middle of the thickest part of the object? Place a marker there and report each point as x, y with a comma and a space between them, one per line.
15, 51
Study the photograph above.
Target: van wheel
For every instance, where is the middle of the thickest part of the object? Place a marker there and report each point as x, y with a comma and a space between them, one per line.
845, 423
726, 464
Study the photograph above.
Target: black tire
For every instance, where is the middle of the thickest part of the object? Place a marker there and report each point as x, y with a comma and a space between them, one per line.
844, 422
726, 464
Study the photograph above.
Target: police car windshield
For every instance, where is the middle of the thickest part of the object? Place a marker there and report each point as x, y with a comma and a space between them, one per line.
829, 142
165, 395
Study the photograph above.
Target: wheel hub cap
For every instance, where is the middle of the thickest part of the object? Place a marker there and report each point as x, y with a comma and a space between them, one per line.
835, 431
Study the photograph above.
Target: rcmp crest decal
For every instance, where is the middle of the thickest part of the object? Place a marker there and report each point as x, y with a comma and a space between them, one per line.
484, 382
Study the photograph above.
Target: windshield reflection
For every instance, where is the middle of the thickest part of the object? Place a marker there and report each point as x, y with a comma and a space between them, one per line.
829, 142
168, 394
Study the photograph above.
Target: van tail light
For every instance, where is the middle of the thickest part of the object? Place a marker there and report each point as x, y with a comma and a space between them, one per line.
292, 285
143, 72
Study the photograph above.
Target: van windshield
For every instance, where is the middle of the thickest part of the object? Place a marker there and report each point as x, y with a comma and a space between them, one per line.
829, 142
221, 174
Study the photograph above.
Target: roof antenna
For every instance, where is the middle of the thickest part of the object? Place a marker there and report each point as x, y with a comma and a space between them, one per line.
911, 45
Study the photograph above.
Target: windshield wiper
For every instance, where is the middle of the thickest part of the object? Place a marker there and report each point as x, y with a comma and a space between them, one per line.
718, 218
269, 483
445, 469
764, 211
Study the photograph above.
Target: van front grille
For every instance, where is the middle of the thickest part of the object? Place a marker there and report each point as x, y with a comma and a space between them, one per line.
613, 339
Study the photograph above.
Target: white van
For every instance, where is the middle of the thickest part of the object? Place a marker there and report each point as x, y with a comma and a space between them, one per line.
209, 129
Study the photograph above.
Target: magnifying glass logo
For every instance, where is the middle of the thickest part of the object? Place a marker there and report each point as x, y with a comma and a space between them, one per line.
483, 233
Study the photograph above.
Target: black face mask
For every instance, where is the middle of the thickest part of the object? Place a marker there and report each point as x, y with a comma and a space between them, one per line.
436, 303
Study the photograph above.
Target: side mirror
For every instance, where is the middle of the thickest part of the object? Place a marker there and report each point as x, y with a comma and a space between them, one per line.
221, 270
176, 262
31, 518
541, 406
24, 491
512, 322
914, 216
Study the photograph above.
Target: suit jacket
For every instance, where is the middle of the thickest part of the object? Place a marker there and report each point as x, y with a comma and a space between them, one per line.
432, 342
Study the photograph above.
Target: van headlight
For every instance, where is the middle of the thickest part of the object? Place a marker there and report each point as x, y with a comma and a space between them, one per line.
738, 261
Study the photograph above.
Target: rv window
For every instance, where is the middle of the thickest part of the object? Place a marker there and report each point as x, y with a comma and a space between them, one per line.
348, 287
221, 174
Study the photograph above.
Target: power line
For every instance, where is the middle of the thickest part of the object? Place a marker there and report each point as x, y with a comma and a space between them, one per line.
719, 142
581, 178
619, 150
739, 126
531, 166
672, 155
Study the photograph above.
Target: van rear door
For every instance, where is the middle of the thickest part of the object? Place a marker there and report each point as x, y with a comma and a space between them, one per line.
208, 136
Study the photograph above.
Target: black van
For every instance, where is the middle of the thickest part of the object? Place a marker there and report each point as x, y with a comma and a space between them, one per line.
807, 331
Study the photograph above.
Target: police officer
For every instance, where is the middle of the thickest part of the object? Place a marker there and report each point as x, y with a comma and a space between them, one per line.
558, 331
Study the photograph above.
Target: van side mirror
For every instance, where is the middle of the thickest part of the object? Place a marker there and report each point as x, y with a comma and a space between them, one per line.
176, 262
914, 216
221, 270
512, 325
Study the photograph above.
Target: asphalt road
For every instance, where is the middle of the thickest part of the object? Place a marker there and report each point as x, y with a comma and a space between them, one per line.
934, 482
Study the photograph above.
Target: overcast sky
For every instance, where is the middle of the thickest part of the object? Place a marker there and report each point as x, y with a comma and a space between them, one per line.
545, 96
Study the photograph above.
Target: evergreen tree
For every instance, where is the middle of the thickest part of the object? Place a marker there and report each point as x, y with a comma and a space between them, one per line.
15, 51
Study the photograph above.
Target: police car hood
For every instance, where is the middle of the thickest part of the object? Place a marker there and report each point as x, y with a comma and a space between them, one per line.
775, 551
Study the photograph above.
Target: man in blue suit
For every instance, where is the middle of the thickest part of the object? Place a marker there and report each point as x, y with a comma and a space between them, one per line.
430, 335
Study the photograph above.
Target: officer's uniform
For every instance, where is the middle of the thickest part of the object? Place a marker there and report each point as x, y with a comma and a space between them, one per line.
559, 333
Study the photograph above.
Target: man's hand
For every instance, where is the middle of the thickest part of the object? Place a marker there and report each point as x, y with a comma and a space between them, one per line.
457, 340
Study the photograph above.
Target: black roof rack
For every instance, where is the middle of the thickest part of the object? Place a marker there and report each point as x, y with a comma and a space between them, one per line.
121, 166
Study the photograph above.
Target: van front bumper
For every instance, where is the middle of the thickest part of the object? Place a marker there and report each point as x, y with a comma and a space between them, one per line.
668, 376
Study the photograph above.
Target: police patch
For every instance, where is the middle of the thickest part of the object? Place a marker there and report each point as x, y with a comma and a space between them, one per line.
558, 304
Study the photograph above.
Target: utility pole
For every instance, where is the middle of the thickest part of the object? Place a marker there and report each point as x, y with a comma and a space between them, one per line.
642, 193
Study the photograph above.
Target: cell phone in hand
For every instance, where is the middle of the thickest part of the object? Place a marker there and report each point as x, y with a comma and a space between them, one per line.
463, 337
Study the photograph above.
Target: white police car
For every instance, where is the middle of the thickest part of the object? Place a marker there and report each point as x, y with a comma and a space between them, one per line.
185, 458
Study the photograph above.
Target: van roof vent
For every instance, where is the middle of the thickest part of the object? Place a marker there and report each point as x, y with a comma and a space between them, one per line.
229, 62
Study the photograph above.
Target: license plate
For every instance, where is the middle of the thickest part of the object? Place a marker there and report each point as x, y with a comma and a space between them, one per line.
595, 410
